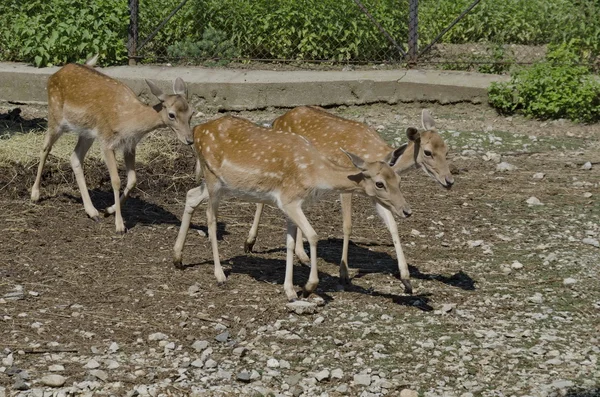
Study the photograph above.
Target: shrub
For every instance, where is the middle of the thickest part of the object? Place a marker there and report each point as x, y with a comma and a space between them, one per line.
54, 32
554, 88
214, 44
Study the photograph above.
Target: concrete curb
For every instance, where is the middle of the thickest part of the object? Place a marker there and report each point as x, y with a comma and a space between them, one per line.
230, 89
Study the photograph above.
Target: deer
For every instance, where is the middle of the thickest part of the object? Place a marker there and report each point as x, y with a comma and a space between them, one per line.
258, 164
96, 106
326, 131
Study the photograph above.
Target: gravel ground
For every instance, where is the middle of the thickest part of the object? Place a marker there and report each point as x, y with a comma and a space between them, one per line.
505, 269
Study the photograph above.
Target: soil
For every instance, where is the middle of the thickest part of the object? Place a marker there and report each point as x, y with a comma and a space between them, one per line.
86, 287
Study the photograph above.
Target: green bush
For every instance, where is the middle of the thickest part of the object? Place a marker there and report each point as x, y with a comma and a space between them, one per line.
554, 88
54, 32
214, 44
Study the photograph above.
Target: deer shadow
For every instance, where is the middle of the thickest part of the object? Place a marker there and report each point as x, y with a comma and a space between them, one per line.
367, 261
272, 271
11, 123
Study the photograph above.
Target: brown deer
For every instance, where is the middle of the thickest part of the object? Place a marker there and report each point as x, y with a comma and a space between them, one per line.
258, 164
327, 132
95, 106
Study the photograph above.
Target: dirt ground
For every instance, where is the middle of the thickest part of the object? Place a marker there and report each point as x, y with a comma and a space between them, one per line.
506, 301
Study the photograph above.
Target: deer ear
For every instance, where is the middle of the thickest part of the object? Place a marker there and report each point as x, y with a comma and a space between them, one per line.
427, 120
395, 154
157, 92
356, 160
412, 134
179, 87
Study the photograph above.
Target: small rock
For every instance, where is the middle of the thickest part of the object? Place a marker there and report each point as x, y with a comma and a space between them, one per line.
239, 351
534, 201
92, 364
113, 348
562, 384
283, 364
492, 156
302, 307
408, 393
157, 336
98, 373
193, 289
19, 384
8, 360
243, 376
210, 363
222, 337
567, 282
272, 363
539, 175
591, 241
343, 388
587, 166
199, 345
362, 379
587, 195
254, 375
504, 166
319, 320
536, 298
337, 373
197, 363
322, 375
54, 380
475, 243
56, 368
112, 364
517, 265
448, 307
222, 374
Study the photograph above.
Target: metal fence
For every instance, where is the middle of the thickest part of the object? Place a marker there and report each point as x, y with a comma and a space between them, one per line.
449, 34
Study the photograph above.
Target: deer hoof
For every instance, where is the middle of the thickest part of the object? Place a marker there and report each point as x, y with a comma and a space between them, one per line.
407, 286
96, 218
248, 247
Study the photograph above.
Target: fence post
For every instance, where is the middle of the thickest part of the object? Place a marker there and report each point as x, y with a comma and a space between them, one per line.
413, 34
132, 38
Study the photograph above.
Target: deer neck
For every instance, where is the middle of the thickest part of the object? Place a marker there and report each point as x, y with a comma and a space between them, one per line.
407, 160
341, 179
143, 119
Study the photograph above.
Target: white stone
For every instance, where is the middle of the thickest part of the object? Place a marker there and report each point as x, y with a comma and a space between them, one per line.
587, 166
199, 345
539, 175
362, 379
272, 363
517, 265
408, 393
114, 347
322, 375
569, 281
56, 368
591, 241
302, 307
157, 336
587, 195
92, 364
504, 166
534, 201
337, 373
54, 380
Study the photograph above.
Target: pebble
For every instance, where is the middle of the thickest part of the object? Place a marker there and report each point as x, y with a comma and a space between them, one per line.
591, 241
197, 363
569, 281
517, 265
539, 175
114, 347
222, 337
157, 336
92, 364
210, 363
504, 166
272, 363
586, 166
536, 298
56, 368
322, 375
239, 351
8, 360
587, 195
54, 380
200, 345
112, 364
534, 201
408, 393
362, 379
302, 307
243, 376
337, 373
98, 373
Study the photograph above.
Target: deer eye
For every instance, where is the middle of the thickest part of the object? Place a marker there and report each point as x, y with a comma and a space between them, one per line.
379, 185
171, 116
427, 153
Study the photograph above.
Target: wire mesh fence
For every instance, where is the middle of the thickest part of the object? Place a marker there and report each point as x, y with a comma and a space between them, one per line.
482, 35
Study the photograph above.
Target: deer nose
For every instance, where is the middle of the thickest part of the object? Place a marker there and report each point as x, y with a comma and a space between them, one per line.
407, 213
449, 182
189, 141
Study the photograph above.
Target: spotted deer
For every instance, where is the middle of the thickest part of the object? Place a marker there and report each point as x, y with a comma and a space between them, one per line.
327, 132
96, 106
258, 164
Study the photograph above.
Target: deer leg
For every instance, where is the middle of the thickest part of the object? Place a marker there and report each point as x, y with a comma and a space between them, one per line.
194, 197
249, 244
211, 219
83, 145
346, 200
294, 212
49, 140
390, 222
300, 253
111, 163
129, 156
288, 284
